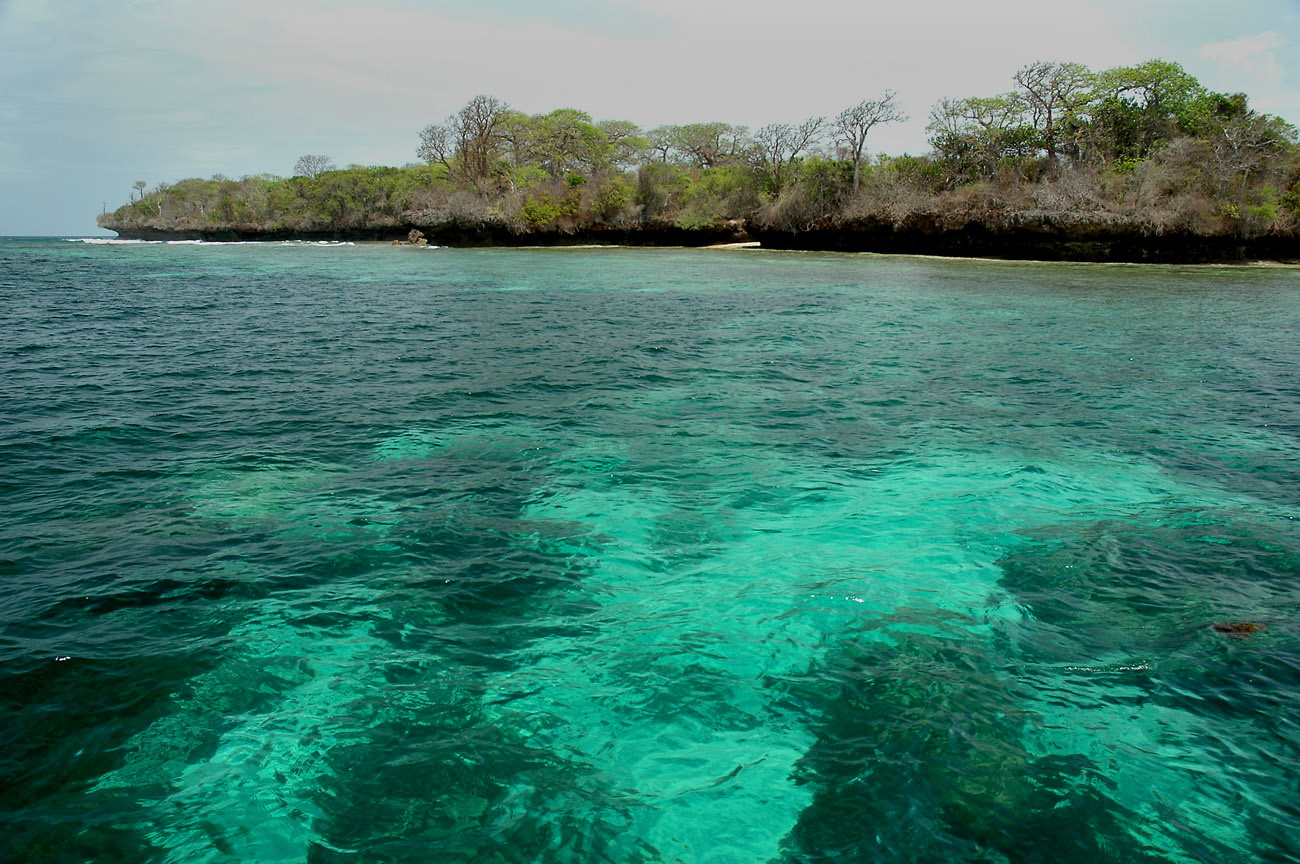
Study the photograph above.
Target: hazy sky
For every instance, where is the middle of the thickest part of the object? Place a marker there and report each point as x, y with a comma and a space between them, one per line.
95, 95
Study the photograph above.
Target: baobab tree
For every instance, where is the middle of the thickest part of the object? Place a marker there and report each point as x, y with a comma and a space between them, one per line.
138, 186
852, 125
975, 134
661, 141
1053, 91
472, 137
708, 145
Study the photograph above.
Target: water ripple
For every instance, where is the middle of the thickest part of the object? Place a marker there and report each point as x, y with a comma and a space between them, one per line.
331, 553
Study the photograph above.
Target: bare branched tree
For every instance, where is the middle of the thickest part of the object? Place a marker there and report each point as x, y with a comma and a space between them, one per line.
472, 137
779, 144
436, 145
476, 131
312, 166
1242, 145
852, 125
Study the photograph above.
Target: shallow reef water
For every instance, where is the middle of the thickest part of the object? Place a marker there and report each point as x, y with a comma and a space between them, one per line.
335, 553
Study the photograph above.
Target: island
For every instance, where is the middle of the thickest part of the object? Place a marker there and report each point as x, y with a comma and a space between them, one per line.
1135, 164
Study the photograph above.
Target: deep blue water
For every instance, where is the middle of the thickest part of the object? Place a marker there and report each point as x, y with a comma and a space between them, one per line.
362, 553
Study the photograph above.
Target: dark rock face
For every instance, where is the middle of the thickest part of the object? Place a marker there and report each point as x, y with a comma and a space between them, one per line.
1040, 239
489, 234
1014, 236
644, 235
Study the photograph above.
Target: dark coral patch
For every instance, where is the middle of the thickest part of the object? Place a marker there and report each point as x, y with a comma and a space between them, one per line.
1238, 629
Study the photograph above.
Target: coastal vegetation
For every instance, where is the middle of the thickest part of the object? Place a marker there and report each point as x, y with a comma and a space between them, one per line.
1066, 159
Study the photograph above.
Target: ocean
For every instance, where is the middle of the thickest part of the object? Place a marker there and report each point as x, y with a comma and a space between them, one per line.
361, 553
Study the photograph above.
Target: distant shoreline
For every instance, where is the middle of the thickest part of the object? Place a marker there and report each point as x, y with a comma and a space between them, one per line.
1134, 164
1021, 238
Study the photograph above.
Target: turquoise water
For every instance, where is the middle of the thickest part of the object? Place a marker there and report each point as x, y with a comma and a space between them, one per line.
360, 553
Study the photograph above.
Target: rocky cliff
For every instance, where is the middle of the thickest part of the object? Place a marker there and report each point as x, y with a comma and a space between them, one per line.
1013, 236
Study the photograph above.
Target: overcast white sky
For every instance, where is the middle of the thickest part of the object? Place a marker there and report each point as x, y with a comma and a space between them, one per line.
95, 95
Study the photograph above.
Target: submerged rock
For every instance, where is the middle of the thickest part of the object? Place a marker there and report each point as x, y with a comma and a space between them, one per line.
1238, 629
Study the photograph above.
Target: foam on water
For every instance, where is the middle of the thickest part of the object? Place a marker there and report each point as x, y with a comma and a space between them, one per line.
117, 241
109, 241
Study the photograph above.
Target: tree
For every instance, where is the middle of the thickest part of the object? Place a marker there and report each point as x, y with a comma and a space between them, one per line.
852, 125
975, 134
779, 144
312, 166
1054, 91
467, 142
1242, 143
516, 135
566, 141
476, 132
1140, 107
627, 141
661, 187
709, 145
436, 145
138, 186
661, 141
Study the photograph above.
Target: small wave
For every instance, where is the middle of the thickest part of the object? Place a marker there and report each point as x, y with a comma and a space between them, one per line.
580, 246
108, 241
1118, 667
118, 241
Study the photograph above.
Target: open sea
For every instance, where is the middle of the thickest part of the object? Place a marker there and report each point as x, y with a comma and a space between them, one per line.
332, 553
